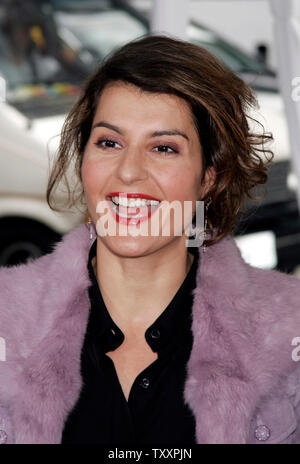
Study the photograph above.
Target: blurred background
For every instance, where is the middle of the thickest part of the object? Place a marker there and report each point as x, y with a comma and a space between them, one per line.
48, 48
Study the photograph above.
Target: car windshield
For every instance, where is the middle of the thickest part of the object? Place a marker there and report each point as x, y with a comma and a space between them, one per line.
47, 48
102, 28
232, 57
35, 61
101, 32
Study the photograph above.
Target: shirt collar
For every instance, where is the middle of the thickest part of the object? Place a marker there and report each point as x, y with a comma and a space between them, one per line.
169, 330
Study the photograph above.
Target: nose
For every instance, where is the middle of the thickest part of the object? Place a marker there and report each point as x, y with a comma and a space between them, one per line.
132, 166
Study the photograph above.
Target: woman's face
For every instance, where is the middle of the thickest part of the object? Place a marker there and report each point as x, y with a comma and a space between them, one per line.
146, 144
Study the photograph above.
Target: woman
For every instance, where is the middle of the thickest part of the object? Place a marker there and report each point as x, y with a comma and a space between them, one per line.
135, 339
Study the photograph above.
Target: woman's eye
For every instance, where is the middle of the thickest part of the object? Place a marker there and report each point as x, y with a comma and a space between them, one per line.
106, 143
166, 149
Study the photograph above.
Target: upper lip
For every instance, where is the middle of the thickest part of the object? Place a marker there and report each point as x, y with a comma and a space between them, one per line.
132, 195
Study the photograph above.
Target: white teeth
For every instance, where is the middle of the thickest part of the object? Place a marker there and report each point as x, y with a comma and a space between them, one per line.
134, 202
127, 216
115, 199
123, 201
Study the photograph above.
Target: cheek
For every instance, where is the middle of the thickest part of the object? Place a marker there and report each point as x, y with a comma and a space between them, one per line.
87, 174
94, 175
181, 184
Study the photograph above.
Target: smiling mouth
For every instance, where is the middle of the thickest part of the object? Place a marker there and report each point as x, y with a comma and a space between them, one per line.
132, 208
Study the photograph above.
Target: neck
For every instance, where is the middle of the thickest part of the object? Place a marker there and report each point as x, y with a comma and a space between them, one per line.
137, 290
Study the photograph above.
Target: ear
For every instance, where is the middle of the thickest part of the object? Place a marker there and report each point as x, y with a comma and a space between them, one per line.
208, 182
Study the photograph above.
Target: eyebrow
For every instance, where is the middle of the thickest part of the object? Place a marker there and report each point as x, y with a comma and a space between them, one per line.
154, 134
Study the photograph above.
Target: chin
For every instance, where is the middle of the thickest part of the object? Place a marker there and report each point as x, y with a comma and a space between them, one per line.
128, 247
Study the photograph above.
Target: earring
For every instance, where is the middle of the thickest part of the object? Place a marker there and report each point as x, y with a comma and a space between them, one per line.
204, 247
90, 224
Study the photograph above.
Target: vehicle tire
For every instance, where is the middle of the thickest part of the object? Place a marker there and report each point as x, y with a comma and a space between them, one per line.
22, 239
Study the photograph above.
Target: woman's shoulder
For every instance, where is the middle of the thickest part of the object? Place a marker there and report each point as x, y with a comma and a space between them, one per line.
68, 256
34, 293
282, 289
264, 305
69, 253
224, 267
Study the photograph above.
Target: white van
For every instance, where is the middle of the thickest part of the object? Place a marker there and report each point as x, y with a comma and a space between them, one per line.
41, 76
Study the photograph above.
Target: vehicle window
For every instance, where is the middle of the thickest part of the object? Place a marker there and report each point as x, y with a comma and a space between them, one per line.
231, 56
102, 32
47, 48
34, 60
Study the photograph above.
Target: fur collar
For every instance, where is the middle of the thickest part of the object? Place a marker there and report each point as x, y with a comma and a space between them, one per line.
243, 322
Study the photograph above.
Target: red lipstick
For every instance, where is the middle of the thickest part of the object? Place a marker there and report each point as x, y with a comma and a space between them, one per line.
132, 195
131, 215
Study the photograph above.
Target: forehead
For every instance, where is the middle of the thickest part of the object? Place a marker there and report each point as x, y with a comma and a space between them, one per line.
125, 101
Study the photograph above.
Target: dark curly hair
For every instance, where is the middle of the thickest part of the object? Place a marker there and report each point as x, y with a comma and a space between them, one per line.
219, 100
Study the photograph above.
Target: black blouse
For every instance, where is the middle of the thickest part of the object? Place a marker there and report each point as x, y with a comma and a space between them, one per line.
155, 412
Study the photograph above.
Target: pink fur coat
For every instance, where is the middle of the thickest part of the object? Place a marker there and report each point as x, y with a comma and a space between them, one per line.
243, 380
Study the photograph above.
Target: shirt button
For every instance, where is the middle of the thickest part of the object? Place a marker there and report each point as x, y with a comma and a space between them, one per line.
262, 433
155, 333
145, 383
3, 437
